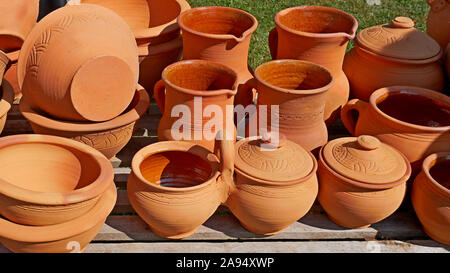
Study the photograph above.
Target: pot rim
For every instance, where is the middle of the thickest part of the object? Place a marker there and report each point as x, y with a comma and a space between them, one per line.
13, 55
428, 163
410, 89
180, 146
244, 35
7, 98
155, 49
94, 189
40, 234
128, 117
293, 91
318, 35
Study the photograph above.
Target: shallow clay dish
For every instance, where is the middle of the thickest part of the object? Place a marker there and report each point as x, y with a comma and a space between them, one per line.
6, 100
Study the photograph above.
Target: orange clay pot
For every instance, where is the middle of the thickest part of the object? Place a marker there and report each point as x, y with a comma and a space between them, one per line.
361, 180
416, 130
11, 73
393, 54
438, 21
64, 237
18, 17
108, 137
6, 100
274, 186
212, 83
431, 196
89, 48
45, 190
319, 35
300, 91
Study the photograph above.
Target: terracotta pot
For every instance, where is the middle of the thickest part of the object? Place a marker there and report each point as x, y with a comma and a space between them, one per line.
11, 73
94, 39
64, 184
219, 34
424, 132
300, 91
361, 180
393, 54
213, 84
319, 35
18, 17
108, 137
437, 22
64, 237
4, 65
6, 100
273, 187
431, 197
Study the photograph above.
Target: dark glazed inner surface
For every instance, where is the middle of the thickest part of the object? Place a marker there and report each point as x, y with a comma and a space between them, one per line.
440, 171
175, 169
317, 21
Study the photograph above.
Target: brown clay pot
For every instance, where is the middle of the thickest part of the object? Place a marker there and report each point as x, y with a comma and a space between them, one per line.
64, 237
183, 82
11, 73
63, 185
361, 180
108, 137
393, 54
300, 90
319, 35
438, 22
415, 121
431, 196
89, 48
6, 100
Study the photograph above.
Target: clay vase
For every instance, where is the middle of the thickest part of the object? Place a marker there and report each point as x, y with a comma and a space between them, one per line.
108, 137
188, 91
438, 22
11, 73
431, 196
40, 190
275, 186
319, 35
175, 186
70, 236
89, 48
6, 101
413, 120
300, 91
361, 180
219, 34
393, 54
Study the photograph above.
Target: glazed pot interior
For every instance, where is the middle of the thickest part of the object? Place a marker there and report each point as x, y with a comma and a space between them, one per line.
176, 169
44, 167
440, 171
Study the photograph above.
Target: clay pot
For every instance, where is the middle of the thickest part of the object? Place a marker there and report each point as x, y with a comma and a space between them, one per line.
11, 73
6, 100
64, 237
437, 22
413, 120
18, 17
361, 180
4, 65
274, 187
431, 197
211, 84
46, 190
89, 48
393, 54
108, 137
219, 34
319, 35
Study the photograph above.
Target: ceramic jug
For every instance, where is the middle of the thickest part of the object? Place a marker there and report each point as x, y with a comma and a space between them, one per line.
438, 21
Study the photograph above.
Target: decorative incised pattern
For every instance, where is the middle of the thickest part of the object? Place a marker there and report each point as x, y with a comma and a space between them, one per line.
302, 116
252, 157
107, 139
378, 34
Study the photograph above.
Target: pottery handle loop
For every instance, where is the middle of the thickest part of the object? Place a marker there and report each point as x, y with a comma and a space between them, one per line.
273, 43
224, 150
346, 114
245, 94
159, 92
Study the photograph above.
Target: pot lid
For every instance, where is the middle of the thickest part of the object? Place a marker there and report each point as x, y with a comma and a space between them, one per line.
365, 159
285, 162
399, 39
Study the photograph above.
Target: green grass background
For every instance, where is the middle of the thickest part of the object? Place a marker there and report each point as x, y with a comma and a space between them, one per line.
265, 10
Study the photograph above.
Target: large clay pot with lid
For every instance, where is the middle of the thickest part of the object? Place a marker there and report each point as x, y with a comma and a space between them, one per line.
94, 55
319, 35
438, 21
431, 196
393, 54
361, 180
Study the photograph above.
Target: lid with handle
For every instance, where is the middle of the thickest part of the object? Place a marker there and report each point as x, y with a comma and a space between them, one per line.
399, 39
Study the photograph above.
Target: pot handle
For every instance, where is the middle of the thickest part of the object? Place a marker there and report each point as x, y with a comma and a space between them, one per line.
273, 43
346, 113
160, 95
246, 95
224, 150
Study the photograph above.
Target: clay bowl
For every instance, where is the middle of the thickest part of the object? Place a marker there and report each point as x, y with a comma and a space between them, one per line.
49, 180
6, 100
431, 196
73, 51
108, 137
70, 236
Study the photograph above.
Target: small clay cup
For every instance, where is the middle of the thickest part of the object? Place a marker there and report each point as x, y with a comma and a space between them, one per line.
6, 101
431, 196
